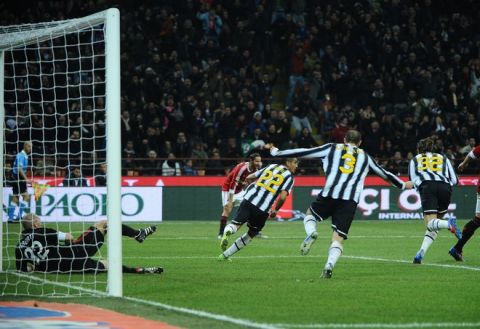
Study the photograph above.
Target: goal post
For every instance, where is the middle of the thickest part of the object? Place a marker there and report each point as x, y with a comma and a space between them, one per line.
112, 102
36, 45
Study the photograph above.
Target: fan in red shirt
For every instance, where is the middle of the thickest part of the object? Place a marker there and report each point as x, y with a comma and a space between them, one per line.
469, 229
233, 186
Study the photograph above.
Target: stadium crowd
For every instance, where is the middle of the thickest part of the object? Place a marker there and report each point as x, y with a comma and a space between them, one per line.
202, 81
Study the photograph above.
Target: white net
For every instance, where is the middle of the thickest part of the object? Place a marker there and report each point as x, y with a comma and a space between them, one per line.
54, 98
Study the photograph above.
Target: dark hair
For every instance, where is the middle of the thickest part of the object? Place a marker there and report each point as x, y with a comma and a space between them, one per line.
353, 136
252, 156
426, 145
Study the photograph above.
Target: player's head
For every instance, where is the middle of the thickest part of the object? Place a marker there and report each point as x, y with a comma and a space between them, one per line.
426, 145
255, 161
30, 221
291, 164
353, 137
27, 147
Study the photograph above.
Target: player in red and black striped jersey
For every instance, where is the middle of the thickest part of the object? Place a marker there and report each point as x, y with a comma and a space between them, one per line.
234, 185
469, 228
40, 248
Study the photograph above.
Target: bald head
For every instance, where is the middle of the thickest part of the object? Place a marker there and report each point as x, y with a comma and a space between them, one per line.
30, 221
353, 137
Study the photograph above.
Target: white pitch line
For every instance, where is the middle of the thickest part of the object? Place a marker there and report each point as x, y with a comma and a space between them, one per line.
384, 325
252, 324
294, 237
402, 261
463, 267
203, 314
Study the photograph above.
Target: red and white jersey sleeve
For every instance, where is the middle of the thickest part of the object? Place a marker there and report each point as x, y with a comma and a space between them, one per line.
475, 153
235, 181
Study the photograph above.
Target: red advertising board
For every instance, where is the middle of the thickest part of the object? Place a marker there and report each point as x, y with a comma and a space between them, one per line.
217, 181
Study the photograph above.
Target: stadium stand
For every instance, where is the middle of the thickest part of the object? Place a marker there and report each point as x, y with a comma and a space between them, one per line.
202, 80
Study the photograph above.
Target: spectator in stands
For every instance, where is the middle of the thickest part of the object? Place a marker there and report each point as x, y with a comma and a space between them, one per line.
101, 175
75, 178
428, 69
152, 165
171, 167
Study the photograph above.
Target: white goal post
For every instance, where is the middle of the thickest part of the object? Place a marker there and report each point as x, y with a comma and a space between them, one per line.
29, 35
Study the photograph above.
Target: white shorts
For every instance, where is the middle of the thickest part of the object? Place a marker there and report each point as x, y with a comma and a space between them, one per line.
237, 198
477, 208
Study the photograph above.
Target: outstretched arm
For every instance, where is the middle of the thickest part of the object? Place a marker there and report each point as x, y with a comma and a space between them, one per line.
451, 172
314, 152
472, 155
385, 174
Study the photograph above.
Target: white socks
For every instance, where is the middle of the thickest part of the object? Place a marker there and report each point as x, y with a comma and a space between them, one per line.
430, 236
237, 245
334, 254
310, 224
437, 224
231, 228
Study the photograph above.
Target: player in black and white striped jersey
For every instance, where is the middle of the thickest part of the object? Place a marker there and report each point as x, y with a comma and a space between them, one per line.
274, 182
345, 166
433, 176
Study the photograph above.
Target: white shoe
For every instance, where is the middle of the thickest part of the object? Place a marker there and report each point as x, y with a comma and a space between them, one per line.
307, 243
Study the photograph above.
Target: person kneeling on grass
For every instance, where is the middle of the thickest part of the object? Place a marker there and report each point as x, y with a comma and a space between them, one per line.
39, 248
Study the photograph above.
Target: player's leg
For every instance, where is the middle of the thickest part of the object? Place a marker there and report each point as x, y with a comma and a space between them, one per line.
429, 237
240, 218
12, 207
87, 244
318, 211
227, 209
334, 253
342, 217
443, 194
467, 232
16, 187
141, 234
256, 221
430, 194
138, 234
25, 200
142, 270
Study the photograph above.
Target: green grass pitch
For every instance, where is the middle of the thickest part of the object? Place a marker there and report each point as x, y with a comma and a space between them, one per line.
269, 285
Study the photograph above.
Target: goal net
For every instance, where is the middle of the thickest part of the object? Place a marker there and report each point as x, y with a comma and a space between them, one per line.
60, 109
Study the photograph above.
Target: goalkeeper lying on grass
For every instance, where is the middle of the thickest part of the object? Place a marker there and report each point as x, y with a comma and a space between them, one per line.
40, 250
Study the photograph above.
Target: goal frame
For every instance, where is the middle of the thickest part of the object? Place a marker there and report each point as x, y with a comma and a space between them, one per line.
111, 19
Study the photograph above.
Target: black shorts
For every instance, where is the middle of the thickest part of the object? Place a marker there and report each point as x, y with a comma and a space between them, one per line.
75, 258
19, 185
88, 243
435, 197
341, 211
248, 213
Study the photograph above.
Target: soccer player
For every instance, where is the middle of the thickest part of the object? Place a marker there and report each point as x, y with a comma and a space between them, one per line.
433, 176
233, 187
274, 182
469, 228
345, 166
19, 183
40, 249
